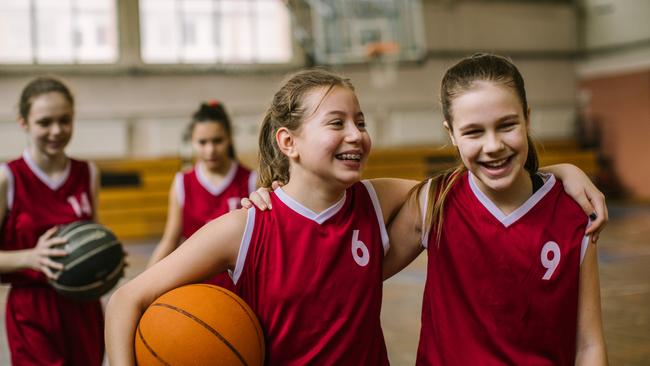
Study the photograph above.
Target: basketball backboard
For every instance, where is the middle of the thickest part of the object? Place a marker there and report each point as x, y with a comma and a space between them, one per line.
335, 32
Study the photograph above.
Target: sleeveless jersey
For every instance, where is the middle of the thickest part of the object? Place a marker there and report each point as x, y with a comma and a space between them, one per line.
202, 201
43, 327
36, 203
315, 280
503, 289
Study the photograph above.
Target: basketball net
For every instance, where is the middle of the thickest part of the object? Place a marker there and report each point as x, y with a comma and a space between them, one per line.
383, 61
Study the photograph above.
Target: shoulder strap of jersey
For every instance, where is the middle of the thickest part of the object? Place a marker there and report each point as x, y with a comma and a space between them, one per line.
244, 245
380, 216
10, 184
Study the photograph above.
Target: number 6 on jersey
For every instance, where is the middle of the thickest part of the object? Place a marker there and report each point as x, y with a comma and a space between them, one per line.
358, 245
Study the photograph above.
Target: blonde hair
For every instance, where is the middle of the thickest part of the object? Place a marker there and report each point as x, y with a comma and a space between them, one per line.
288, 110
457, 80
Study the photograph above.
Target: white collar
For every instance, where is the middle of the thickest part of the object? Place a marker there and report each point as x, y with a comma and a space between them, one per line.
217, 189
306, 212
515, 215
54, 184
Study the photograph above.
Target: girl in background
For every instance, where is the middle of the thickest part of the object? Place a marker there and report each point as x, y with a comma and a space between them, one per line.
38, 192
213, 187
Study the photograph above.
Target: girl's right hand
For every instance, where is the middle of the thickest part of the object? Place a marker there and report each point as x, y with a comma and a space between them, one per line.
39, 257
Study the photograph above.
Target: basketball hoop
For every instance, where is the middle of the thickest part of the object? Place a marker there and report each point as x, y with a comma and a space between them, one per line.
383, 61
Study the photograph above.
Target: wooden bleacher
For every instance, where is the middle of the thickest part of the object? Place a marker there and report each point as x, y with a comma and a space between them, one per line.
138, 209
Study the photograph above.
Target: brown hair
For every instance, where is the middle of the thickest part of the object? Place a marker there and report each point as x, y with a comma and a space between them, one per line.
212, 111
41, 85
457, 80
288, 110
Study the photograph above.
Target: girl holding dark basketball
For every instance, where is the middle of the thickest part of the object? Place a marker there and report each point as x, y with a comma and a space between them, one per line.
310, 268
39, 191
213, 187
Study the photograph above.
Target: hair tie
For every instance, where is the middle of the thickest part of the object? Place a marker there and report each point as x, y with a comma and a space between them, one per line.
213, 103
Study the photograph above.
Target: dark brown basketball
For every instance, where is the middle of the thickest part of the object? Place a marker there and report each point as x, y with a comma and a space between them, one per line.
94, 264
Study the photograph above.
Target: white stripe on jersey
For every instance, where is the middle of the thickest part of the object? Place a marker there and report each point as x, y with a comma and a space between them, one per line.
10, 185
179, 186
244, 245
380, 216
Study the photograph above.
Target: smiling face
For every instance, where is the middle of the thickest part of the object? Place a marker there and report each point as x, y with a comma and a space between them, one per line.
332, 143
490, 130
211, 142
49, 124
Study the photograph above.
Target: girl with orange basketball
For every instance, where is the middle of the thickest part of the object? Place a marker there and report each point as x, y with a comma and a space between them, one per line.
311, 268
39, 191
213, 187
326, 232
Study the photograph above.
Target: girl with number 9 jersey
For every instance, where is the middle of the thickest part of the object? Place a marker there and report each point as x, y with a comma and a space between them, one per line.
511, 276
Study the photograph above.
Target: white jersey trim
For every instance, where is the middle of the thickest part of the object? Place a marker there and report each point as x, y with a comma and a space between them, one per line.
585, 244
304, 211
380, 216
424, 199
10, 185
244, 245
252, 182
53, 184
179, 187
217, 189
583, 247
507, 220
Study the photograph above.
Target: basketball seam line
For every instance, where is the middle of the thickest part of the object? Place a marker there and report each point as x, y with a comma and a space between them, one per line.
89, 254
206, 326
150, 349
260, 337
92, 285
82, 226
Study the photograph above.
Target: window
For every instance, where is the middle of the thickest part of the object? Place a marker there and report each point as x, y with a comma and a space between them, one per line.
58, 31
214, 31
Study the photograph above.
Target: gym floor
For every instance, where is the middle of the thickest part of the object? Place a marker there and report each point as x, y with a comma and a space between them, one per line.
624, 252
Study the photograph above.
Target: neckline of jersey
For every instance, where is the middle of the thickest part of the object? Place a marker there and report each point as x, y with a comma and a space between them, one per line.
217, 189
514, 216
300, 209
53, 184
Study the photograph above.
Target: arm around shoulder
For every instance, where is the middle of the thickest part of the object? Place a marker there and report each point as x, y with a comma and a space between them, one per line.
392, 193
405, 233
578, 185
212, 249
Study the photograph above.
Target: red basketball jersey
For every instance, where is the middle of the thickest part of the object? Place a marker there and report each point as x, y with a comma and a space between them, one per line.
37, 203
503, 289
203, 201
44, 328
315, 280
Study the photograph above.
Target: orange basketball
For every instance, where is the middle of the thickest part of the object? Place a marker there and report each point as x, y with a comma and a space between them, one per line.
199, 324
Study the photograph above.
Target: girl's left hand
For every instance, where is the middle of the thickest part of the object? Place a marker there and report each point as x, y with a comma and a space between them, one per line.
592, 202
